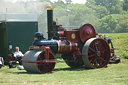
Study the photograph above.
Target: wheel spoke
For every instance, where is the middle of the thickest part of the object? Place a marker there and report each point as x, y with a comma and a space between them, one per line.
45, 68
102, 59
96, 46
100, 45
103, 51
98, 61
40, 67
92, 55
92, 49
91, 60
94, 61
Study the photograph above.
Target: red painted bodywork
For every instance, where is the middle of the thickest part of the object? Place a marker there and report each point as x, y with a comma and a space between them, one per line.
47, 51
72, 36
66, 46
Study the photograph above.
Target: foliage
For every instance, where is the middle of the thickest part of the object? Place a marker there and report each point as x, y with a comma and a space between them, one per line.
107, 16
122, 25
84, 15
125, 5
101, 14
108, 24
114, 23
114, 6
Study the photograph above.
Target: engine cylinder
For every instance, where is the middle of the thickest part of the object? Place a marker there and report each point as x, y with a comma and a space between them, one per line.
66, 46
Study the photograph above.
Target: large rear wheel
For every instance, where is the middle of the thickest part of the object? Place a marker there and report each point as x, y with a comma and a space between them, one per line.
96, 53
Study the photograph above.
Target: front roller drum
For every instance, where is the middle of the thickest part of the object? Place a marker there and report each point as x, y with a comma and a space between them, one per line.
35, 61
96, 53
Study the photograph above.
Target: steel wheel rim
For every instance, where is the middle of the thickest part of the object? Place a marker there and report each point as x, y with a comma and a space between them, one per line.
45, 67
96, 53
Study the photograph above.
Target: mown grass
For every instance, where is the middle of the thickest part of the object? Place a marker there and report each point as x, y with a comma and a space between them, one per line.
113, 74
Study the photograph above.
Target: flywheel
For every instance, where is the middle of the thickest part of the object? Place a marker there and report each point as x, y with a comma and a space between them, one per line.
86, 32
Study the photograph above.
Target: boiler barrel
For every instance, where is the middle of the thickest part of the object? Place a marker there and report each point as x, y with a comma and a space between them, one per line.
31, 56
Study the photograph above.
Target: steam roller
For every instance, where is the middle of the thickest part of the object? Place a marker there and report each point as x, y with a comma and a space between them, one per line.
37, 62
81, 47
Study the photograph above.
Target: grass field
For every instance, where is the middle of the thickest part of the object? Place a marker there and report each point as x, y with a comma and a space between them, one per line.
120, 41
113, 74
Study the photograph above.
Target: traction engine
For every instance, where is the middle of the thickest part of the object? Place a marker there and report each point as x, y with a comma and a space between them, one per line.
78, 47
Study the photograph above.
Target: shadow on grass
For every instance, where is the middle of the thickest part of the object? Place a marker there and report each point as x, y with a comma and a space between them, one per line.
74, 69
55, 70
25, 72
18, 72
71, 69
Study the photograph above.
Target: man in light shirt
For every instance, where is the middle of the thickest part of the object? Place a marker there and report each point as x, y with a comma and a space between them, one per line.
1, 62
18, 55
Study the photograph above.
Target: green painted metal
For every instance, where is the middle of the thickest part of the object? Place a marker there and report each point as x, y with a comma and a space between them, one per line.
3, 41
16, 34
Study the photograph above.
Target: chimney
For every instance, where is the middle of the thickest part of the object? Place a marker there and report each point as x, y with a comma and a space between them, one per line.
50, 21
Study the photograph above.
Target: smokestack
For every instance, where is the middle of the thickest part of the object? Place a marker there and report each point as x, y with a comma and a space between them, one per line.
50, 21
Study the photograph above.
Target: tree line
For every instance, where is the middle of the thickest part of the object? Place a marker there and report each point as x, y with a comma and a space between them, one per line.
107, 16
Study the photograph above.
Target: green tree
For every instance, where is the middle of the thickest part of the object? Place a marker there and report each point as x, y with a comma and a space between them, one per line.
44, 1
107, 3
78, 14
125, 5
59, 12
114, 6
122, 25
100, 11
108, 24
90, 3
59, 3
114, 23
